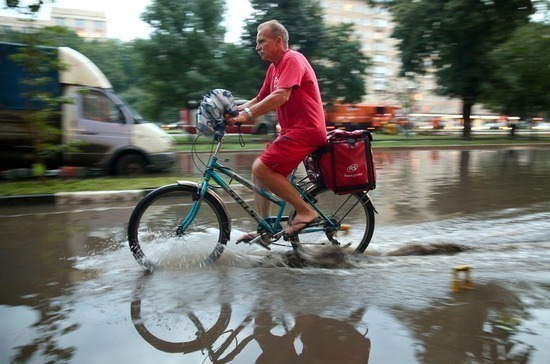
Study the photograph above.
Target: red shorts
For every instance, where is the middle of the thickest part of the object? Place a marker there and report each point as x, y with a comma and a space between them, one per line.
285, 154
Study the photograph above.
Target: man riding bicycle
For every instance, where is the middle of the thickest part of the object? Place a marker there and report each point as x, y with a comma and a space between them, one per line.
290, 86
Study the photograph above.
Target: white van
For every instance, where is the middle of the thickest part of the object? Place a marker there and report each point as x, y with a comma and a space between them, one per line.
110, 135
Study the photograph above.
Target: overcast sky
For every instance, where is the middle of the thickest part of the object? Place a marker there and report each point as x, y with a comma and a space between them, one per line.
123, 16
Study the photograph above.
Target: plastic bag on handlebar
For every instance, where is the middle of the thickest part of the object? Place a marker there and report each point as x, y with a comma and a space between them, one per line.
211, 111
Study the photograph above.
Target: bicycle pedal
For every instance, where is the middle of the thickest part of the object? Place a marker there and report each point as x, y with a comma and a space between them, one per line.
260, 241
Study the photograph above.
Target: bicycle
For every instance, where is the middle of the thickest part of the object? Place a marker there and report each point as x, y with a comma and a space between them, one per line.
216, 332
191, 215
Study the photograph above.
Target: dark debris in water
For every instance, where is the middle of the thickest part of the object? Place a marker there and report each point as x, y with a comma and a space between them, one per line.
429, 249
325, 257
337, 257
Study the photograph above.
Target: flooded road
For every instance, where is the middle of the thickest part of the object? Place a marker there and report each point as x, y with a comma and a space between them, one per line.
72, 292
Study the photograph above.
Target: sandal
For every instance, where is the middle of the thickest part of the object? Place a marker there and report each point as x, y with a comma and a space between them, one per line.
302, 225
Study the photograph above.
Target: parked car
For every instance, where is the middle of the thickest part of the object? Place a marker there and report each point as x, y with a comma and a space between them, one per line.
177, 127
493, 126
524, 124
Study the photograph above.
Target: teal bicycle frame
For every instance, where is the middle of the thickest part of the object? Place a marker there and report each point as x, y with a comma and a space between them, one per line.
271, 224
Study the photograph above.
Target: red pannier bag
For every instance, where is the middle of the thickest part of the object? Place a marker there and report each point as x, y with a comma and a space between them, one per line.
345, 164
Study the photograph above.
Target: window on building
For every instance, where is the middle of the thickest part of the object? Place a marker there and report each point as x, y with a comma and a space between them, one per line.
99, 26
381, 23
379, 84
380, 46
60, 22
380, 58
358, 8
380, 71
79, 24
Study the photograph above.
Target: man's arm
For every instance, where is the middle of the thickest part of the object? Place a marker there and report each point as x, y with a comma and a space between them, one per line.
271, 102
249, 103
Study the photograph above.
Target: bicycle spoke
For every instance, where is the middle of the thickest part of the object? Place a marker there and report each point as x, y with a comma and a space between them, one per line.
154, 226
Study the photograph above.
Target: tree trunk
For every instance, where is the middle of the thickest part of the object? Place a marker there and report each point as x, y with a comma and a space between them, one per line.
467, 104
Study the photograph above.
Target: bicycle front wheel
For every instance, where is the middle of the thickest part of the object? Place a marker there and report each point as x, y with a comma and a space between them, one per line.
153, 230
354, 213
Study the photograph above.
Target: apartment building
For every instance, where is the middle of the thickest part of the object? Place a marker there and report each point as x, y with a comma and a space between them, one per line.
374, 26
86, 23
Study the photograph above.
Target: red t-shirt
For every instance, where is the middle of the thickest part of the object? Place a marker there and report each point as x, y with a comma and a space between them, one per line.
302, 117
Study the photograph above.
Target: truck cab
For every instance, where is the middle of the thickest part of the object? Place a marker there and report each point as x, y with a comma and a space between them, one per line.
106, 132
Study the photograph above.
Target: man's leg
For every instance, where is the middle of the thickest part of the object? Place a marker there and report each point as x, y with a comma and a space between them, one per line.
280, 185
263, 205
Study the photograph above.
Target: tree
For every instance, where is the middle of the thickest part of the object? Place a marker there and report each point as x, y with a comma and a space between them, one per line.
184, 57
333, 52
302, 19
453, 39
341, 66
40, 66
27, 7
521, 82
116, 59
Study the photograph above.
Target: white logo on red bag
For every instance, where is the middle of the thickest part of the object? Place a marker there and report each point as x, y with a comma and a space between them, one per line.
352, 168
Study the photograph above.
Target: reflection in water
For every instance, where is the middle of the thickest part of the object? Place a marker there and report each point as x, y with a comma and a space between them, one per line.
475, 326
303, 338
427, 185
69, 279
486, 324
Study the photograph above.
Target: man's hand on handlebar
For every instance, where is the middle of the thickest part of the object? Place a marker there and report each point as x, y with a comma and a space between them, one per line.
236, 120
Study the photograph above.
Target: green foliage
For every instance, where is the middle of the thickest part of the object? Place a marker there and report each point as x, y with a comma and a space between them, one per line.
27, 7
185, 56
341, 67
302, 19
334, 52
39, 63
116, 59
453, 38
521, 82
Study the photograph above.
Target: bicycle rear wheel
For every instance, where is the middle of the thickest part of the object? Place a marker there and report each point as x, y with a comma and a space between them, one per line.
152, 229
354, 213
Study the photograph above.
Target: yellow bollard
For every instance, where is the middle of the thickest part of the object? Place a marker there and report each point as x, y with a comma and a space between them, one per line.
345, 228
465, 282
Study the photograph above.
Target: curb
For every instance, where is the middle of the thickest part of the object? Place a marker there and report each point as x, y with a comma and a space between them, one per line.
71, 198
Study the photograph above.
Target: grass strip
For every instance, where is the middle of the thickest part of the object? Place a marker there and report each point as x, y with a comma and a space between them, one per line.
53, 185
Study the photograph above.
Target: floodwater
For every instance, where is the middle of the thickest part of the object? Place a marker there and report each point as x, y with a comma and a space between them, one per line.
458, 271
